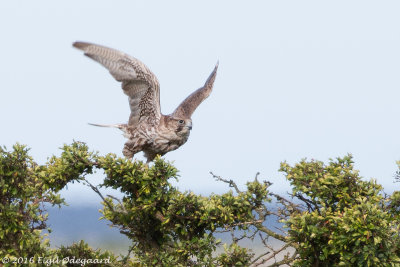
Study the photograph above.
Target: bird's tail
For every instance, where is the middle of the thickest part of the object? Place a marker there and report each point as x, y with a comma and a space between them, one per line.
122, 127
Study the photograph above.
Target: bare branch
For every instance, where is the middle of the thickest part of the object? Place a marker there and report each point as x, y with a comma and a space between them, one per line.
286, 260
230, 182
244, 223
119, 201
95, 189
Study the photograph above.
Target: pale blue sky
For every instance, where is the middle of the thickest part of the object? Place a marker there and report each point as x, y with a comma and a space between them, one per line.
315, 79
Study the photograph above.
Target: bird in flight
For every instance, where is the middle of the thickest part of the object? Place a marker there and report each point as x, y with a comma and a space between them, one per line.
147, 129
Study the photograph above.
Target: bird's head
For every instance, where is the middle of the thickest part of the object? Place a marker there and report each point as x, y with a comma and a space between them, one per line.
181, 126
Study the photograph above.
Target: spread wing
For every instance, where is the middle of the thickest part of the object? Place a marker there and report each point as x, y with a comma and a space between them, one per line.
138, 82
189, 105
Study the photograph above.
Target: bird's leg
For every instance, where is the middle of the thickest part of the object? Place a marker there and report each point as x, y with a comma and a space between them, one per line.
150, 156
130, 149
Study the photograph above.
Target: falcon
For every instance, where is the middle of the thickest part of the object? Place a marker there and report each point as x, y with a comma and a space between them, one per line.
147, 129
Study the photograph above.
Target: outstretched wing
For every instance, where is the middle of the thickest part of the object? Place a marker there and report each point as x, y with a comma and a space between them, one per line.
189, 105
138, 82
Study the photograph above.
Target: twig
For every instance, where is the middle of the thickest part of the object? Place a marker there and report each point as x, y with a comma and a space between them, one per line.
125, 259
230, 182
275, 253
95, 189
244, 223
309, 203
119, 201
259, 257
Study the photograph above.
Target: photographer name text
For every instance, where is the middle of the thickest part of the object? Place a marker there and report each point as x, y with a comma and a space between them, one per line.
54, 260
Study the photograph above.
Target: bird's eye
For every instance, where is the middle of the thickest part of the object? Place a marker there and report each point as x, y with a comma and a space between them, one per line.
181, 121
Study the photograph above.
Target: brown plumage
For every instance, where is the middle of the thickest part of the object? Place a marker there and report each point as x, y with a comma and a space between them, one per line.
147, 129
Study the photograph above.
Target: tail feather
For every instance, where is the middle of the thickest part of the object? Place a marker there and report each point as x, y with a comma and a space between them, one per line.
119, 126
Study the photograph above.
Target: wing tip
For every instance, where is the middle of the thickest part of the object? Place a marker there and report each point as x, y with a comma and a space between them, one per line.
80, 45
215, 68
211, 78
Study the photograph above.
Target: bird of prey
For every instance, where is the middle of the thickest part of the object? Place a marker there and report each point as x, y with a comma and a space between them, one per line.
147, 129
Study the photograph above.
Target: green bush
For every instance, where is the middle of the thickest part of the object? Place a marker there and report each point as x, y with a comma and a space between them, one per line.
333, 217
23, 193
346, 222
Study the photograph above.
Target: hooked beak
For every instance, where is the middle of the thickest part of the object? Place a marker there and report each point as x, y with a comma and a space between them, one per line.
189, 125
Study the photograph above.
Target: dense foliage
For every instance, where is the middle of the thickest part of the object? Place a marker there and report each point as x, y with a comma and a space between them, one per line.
24, 189
333, 217
347, 220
